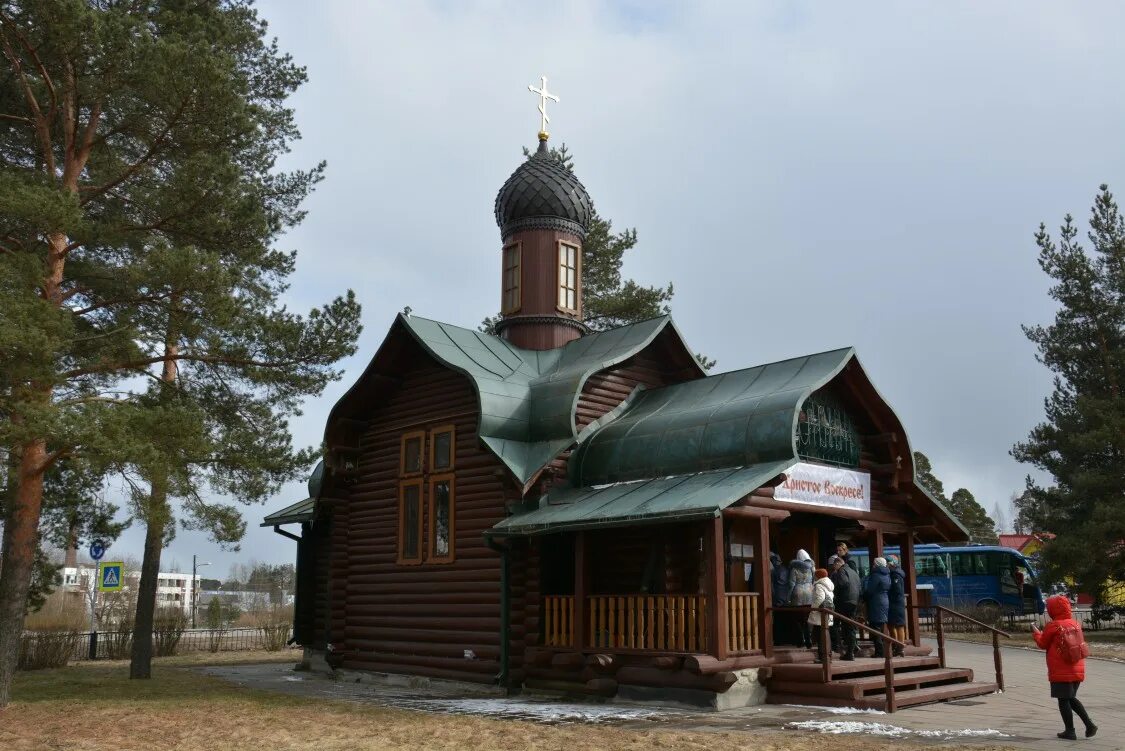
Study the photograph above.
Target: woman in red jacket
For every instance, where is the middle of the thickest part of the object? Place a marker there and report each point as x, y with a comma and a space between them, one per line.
1064, 675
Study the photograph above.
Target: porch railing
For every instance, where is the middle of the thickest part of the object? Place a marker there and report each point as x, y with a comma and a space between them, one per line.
742, 622
671, 623
558, 623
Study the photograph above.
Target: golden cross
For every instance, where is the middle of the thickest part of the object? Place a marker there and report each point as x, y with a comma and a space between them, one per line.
544, 95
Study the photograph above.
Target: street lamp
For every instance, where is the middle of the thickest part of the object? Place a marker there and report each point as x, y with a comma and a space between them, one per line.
194, 566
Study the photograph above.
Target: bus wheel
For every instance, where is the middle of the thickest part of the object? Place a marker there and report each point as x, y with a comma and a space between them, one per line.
988, 611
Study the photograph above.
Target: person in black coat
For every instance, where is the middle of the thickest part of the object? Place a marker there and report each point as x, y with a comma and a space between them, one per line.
876, 593
847, 590
896, 603
779, 591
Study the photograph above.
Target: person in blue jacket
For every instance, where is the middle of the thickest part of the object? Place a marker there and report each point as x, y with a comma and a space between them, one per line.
779, 586
896, 600
876, 591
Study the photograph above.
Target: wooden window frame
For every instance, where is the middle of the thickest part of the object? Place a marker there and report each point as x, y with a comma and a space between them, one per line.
415, 482
452, 430
432, 556
560, 276
421, 436
514, 308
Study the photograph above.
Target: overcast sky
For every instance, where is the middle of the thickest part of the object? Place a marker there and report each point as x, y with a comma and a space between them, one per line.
809, 175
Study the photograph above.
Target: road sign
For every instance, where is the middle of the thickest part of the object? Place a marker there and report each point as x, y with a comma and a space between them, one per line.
111, 576
97, 550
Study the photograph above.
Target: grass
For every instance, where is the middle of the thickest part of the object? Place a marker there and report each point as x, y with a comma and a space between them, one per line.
94, 707
1105, 644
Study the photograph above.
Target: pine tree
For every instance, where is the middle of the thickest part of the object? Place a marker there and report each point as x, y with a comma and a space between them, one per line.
608, 301
1081, 445
139, 144
962, 504
968, 510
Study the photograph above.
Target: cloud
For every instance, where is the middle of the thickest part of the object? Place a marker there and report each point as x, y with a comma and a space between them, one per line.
810, 175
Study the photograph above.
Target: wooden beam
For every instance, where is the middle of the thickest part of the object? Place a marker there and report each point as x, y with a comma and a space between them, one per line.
755, 512
581, 588
874, 545
765, 586
891, 437
906, 553
716, 589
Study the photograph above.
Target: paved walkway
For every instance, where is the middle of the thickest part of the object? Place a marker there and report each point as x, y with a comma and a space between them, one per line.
1024, 716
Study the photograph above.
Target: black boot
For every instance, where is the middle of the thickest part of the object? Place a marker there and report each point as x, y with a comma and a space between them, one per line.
1091, 731
1068, 735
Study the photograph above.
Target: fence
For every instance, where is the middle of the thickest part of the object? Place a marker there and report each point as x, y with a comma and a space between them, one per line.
116, 645
1025, 621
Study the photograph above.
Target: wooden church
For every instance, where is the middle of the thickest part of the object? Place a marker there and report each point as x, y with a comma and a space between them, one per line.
582, 512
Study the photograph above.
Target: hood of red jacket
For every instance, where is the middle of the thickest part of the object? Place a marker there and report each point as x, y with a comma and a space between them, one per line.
1058, 607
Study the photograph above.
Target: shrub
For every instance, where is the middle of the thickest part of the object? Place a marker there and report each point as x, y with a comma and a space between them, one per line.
115, 645
168, 627
275, 621
47, 649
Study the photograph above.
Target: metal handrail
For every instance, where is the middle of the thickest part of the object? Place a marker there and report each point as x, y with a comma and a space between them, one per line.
997, 660
826, 668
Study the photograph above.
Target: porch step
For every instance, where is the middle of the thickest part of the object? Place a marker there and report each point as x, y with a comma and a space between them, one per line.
910, 698
813, 672
930, 695
864, 686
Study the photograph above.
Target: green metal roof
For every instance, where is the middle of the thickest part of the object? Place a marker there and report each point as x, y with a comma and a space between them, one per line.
664, 499
528, 398
301, 511
739, 419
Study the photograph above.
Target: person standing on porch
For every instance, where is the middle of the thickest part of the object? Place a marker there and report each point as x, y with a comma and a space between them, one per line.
779, 594
822, 598
876, 592
896, 597
843, 554
801, 591
847, 586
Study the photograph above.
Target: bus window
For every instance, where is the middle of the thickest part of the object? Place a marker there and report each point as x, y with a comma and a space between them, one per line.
932, 564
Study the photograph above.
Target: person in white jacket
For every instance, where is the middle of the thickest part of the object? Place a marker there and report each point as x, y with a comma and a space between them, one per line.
822, 598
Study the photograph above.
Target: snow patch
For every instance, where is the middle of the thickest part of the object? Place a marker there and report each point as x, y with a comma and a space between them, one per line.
839, 727
547, 712
836, 710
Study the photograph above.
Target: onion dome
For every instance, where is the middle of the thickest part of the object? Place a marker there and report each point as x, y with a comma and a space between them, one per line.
543, 194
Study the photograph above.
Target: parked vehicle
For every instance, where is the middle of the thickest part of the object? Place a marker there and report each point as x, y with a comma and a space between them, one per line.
973, 576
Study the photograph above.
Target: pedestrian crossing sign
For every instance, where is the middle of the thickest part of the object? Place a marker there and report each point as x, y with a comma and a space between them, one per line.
110, 576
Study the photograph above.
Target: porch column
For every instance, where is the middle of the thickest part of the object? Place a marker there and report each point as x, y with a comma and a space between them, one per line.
581, 588
907, 555
764, 584
716, 588
874, 546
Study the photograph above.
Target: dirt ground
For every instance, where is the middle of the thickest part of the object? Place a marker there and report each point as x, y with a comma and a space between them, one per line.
95, 707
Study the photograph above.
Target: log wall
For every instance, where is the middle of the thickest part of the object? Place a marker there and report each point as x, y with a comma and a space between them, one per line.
420, 619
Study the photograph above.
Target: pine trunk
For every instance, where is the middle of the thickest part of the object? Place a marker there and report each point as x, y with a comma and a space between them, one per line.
21, 537
157, 518
140, 664
21, 525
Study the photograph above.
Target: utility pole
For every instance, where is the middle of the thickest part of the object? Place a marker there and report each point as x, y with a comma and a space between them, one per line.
194, 587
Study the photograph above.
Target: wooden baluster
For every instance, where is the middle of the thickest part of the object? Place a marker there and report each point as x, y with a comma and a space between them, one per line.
620, 621
661, 604
703, 631
680, 624
752, 601
691, 624
613, 622
825, 647
889, 676
650, 638
998, 660
570, 617
940, 638
592, 615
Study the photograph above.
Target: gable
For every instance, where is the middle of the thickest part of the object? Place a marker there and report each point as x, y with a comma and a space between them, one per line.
527, 399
